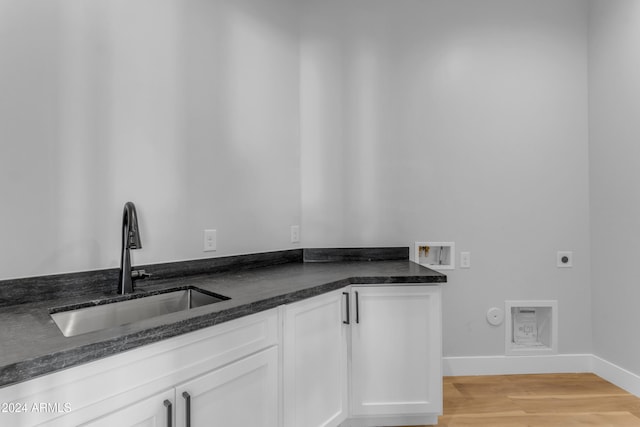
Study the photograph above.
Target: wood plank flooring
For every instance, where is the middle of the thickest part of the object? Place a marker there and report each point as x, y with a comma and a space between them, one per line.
547, 400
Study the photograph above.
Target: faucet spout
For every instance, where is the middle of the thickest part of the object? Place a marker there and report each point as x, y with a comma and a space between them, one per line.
130, 240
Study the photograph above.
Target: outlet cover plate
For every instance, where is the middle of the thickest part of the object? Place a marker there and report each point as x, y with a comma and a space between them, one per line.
210, 240
295, 234
564, 259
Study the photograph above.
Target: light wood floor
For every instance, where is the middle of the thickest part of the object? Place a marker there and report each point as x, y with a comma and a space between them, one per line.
537, 400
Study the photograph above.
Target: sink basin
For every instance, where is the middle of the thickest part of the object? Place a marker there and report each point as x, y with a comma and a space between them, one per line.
90, 317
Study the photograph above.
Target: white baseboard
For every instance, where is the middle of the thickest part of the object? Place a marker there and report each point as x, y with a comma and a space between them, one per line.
543, 364
508, 365
615, 374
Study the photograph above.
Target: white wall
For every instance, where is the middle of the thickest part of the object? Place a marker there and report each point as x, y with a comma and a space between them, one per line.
614, 84
188, 108
462, 121
420, 120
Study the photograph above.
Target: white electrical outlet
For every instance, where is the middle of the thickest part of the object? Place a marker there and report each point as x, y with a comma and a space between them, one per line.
564, 259
210, 240
295, 234
465, 259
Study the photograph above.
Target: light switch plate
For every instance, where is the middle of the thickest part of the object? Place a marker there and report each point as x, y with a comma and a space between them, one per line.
465, 259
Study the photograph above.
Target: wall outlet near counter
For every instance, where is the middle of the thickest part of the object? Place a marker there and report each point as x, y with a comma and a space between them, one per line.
210, 240
295, 234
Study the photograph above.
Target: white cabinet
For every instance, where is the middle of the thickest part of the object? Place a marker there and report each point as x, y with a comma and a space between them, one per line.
396, 372
315, 362
244, 393
384, 342
230, 370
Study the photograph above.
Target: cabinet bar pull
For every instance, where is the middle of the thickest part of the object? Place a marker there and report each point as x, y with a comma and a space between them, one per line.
357, 308
348, 321
167, 404
187, 398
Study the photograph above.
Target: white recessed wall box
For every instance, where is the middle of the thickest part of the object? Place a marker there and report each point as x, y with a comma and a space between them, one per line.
531, 327
435, 255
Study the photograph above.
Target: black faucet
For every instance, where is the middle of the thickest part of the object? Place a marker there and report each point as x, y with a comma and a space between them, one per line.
130, 240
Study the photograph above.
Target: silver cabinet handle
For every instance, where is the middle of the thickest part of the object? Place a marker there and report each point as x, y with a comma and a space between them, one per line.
348, 321
187, 401
167, 404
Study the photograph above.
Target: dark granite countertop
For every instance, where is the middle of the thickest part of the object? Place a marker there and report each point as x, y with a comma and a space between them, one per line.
32, 345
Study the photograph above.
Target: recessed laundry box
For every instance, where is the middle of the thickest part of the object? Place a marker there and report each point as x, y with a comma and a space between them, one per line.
531, 327
435, 255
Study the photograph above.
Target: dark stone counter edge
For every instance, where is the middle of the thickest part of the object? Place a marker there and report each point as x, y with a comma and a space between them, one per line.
32, 368
58, 286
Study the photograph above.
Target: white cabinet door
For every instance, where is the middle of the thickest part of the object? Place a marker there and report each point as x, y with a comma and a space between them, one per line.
241, 394
396, 350
156, 411
315, 362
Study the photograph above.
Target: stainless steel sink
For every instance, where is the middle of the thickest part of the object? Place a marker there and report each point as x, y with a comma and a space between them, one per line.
91, 318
